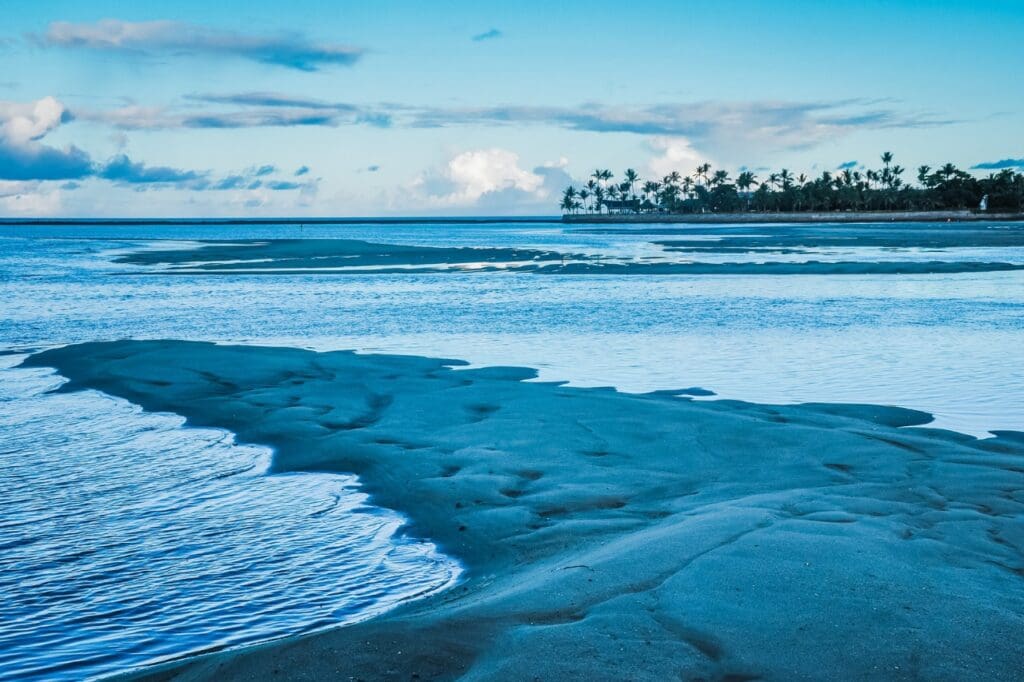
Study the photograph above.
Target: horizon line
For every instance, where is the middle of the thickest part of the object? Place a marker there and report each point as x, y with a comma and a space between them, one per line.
292, 220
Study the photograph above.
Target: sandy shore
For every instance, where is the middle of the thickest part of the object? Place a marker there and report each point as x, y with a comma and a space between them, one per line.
614, 536
355, 257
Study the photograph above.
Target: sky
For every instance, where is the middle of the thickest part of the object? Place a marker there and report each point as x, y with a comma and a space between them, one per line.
391, 108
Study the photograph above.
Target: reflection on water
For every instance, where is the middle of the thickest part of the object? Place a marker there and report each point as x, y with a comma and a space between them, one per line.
126, 539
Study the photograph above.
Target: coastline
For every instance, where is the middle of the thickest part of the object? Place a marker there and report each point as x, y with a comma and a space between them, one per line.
788, 218
622, 536
583, 218
323, 220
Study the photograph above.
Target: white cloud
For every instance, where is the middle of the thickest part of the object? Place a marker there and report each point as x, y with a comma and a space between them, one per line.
23, 156
672, 154
25, 122
469, 176
29, 198
174, 38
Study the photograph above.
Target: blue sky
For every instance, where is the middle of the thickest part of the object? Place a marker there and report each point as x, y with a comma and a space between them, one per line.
411, 108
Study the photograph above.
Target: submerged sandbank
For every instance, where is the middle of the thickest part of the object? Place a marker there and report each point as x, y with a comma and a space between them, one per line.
355, 257
619, 536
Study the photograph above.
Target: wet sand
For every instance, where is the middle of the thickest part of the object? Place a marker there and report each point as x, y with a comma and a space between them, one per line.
616, 536
350, 256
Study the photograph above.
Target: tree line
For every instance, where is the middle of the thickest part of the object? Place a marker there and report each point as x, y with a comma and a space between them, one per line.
883, 189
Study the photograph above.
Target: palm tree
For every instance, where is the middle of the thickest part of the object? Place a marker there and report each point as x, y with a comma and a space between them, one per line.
631, 177
886, 172
650, 188
569, 199
944, 187
702, 172
922, 174
669, 195
688, 186
592, 188
601, 176
745, 180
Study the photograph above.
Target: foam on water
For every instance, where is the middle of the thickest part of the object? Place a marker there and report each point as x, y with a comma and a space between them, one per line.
127, 539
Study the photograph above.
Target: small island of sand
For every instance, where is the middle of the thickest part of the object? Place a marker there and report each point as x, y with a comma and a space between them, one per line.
616, 536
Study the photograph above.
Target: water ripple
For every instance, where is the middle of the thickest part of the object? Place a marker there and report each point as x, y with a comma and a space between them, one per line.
127, 539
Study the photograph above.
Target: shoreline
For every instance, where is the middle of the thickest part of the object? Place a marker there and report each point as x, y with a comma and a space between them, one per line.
789, 218
695, 218
620, 535
482, 220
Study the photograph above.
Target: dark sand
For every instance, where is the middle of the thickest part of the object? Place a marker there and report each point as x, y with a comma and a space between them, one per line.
615, 536
354, 257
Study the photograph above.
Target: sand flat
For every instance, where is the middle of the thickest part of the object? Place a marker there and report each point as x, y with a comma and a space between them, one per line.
357, 257
616, 536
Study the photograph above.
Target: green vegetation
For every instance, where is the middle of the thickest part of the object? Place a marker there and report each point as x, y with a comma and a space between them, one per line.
884, 189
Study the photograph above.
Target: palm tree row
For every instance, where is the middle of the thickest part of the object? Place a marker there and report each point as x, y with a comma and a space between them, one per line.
884, 189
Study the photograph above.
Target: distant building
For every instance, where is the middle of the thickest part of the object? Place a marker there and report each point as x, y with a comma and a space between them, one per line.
983, 206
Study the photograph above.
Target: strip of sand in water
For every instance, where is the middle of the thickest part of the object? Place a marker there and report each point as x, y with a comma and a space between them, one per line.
350, 256
618, 536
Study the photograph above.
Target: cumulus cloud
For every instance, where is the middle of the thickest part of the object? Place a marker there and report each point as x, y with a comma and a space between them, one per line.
999, 165
487, 35
470, 175
21, 123
672, 154
23, 156
489, 180
173, 38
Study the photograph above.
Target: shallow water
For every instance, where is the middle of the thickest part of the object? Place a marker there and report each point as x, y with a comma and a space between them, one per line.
952, 345
127, 539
